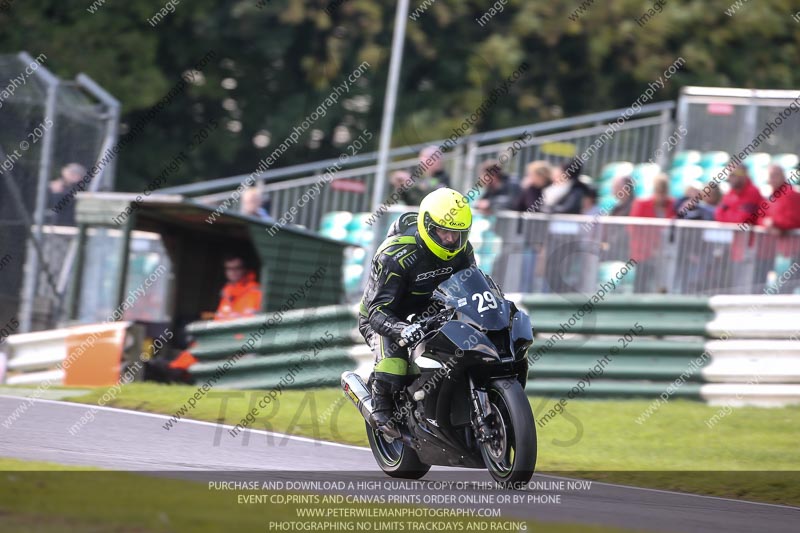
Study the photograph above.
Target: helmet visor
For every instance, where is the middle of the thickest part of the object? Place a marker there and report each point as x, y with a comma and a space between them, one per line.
448, 238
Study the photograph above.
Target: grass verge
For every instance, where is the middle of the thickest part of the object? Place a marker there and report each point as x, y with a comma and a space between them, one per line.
673, 449
60, 500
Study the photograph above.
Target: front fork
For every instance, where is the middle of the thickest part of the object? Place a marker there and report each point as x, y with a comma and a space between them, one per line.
483, 411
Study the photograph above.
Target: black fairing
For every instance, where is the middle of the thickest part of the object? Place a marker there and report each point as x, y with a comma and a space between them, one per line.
484, 338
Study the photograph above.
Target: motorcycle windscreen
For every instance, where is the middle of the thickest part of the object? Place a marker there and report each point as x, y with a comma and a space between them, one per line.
476, 300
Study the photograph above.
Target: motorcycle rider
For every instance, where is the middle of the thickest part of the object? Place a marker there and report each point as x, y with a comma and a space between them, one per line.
407, 267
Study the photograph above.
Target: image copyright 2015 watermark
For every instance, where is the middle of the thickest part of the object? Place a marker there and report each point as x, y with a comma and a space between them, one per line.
189, 76
88, 342
198, 137
267, 162
313, 192
33, 137
17, 82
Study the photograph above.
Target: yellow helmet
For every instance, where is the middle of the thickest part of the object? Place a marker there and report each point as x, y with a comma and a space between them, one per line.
444, 222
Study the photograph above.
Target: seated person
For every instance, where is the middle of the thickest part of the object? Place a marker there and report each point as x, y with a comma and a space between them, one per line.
241, 296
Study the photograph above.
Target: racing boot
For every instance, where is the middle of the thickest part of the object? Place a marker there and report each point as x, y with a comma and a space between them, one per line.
383, 408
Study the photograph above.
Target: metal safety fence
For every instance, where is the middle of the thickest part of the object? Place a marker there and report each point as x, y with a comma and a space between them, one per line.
576, 253
350, 187
45, 124
728, 119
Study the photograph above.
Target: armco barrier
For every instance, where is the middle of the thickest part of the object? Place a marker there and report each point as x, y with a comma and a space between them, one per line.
668, 347
758, 363
679, 344
90, 355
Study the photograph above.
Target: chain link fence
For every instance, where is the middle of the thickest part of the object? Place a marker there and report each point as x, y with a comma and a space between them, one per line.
45, 124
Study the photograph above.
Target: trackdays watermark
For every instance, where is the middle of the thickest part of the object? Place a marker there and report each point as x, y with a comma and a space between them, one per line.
248, 346
285, 381
22, 79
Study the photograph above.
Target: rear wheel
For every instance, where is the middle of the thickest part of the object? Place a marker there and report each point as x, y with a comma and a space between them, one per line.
510, 453
394, 457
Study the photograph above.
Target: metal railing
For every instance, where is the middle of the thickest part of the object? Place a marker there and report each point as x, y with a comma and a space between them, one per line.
575, 253
45, 124
727, 119
636, 140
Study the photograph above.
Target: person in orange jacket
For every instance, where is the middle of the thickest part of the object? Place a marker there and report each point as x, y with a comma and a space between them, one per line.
241, 297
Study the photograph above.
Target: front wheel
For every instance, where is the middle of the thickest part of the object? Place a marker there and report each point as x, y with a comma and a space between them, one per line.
394, 457
510, 453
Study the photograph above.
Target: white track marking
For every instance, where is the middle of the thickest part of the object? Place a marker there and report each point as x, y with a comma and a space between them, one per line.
662, 491
360, 448
85, 406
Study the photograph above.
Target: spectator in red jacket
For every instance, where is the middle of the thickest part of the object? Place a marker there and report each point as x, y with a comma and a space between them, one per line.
645, 240
781, 215
783, 211
741, 203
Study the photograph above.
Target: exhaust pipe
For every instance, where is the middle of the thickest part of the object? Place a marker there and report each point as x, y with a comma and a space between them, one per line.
355, 389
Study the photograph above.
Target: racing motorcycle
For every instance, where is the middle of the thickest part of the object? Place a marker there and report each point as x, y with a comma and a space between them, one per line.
464, 401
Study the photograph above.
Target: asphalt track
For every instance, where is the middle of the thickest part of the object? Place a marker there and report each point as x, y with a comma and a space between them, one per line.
128, 440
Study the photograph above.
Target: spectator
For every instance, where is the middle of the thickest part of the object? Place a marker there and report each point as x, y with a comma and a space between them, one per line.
429, 175
241, 296
589, 206
62, 191
252, 205
692, 207
781, 215
713, 198
783, 209
645, 240
624, 192
538, 176
565, 195
498, 191
742, 201
430, 159
741, 206
411, 192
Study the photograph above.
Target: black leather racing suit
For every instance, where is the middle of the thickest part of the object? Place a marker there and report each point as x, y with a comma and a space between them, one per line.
402, 279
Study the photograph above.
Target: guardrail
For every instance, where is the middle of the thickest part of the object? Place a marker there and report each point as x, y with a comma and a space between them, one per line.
637, 140
680, 347
574, 253
90, 355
